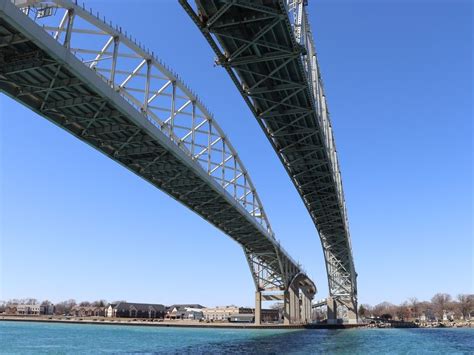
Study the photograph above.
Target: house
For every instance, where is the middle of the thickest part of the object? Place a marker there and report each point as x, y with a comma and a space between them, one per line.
135, 310
185, 311
109, 310
88, 311
23, 309
47, 309
189, 305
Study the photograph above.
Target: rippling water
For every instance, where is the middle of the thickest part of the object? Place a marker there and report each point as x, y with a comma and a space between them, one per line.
34, 338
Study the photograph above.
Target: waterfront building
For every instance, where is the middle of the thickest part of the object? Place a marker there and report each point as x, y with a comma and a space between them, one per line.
136, 310
88, 311
186, 305
271, 315
224, 313
24, 309
185, 312
47, 309
109, 310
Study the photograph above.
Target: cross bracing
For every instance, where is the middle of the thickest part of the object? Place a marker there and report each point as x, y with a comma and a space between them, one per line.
267, 48
101, 85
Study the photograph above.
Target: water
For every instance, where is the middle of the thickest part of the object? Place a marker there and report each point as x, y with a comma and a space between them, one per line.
49, 338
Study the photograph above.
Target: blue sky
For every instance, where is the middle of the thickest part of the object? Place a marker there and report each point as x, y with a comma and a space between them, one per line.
398, 76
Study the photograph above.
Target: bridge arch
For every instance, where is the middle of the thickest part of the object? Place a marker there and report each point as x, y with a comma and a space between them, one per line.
98, 83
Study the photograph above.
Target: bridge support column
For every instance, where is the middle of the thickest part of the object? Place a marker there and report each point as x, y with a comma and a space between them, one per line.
351, 306
332, 310
286, 308
305, 309
291, 306
296, 307
258, 307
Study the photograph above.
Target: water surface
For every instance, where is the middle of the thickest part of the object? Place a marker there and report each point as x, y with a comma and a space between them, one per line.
53, 338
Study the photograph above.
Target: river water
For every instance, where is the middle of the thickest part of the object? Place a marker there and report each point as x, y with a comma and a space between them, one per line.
50, 338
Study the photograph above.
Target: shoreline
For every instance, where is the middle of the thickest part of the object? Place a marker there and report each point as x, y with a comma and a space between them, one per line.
215, 325
178, 324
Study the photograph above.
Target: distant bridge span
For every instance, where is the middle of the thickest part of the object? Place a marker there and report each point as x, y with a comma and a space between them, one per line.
267, 48
97, 83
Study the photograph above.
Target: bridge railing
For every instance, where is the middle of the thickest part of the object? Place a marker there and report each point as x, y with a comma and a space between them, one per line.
152, 88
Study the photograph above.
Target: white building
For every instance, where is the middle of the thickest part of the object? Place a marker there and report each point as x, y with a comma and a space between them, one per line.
30, 309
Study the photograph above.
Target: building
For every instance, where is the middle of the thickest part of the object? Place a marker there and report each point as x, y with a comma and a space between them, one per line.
135, 310
271, 315
224, 313
185, 311
23, 309
47, 309
88, 311
187, 305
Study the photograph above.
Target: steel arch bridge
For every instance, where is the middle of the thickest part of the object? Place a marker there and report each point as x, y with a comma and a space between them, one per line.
267, 48
98, 83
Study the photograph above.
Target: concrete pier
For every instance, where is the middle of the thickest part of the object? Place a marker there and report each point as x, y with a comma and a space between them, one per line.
258, 307
332, 311
348, 303
305, 309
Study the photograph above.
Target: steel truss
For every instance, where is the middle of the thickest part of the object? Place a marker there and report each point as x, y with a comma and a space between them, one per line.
267, 48
97, 82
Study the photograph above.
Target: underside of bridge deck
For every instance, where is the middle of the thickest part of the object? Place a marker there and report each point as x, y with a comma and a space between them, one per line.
266, 47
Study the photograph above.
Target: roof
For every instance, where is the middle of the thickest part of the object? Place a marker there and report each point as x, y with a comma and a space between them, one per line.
140, 306
182, 306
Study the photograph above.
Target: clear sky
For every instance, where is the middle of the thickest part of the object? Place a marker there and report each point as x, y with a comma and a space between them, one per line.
398, 76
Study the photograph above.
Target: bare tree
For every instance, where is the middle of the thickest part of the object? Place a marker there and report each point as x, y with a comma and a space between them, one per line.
465, 305
65, 306
365, 310
384, 310
440, 303
99, 303
403, 311
85, 304
414, 307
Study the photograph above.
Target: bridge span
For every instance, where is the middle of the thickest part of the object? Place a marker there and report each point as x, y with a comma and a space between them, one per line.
267, 48
96, 82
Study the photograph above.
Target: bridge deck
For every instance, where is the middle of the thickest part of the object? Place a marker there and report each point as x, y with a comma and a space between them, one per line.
278, 76
45, 76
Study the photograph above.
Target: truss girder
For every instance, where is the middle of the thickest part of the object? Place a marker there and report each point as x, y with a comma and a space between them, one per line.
183, 152
272, 61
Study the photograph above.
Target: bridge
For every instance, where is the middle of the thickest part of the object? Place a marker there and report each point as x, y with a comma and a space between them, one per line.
267, 49
92, 79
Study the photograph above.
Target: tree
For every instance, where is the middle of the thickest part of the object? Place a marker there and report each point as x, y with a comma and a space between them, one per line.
385, 309
440, 303
465, 305
403, 311
85, 304
364, 310
414, 307
99, 303
65, 307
